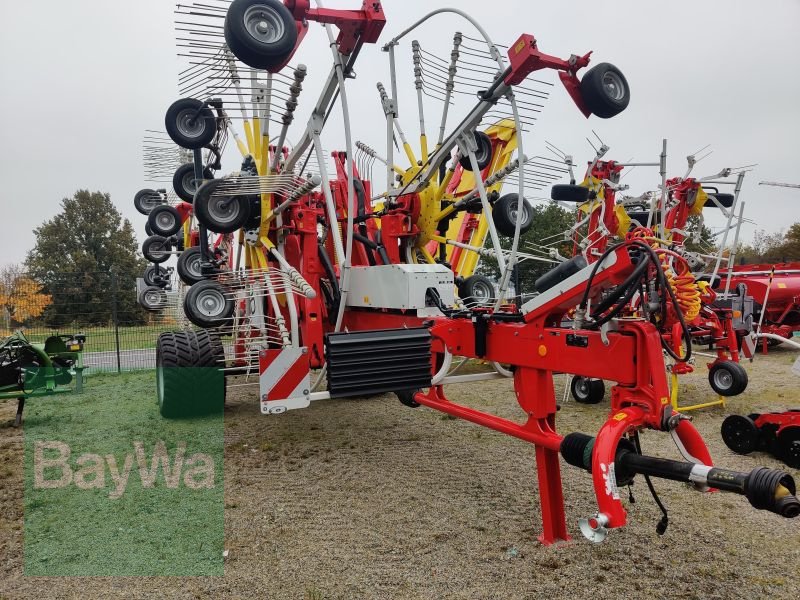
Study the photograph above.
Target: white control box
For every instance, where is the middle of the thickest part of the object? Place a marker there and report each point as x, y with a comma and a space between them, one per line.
399, 286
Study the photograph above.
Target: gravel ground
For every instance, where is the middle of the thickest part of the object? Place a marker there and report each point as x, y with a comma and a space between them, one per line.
370, 499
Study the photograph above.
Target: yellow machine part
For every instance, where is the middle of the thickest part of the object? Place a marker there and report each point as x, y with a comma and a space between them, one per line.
699, 202
504, 131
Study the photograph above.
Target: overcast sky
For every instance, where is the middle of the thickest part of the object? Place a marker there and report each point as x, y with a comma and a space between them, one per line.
81, 81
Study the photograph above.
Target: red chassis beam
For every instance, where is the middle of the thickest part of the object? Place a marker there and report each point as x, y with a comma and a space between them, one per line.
631, 356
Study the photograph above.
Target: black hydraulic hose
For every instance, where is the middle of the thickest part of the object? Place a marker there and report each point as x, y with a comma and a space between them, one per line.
625, 291
603, 257
687, 335
326, 264
661, 528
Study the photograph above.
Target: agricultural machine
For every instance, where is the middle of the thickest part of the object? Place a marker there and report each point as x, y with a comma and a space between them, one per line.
661, 220
775, 289
30, 370
776, 432
363, 286
171, 227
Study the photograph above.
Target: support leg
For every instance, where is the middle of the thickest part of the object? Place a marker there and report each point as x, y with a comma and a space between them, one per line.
20, 406
551, 496
536, 395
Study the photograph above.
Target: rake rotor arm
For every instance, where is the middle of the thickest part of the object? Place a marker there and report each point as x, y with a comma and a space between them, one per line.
356, 27
526, 58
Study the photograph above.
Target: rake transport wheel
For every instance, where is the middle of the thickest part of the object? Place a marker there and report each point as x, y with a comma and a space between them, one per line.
740, 434
147, 229
153, 298
154, 276
565, 192
189, 263
261, 33
164, 220
483, 154
189, 379
605, 90
219, 212
156, 249
727, 378
476, 290
587, 391
190, 123
789, 446
504, 214
207, 304
146, 200
185, 183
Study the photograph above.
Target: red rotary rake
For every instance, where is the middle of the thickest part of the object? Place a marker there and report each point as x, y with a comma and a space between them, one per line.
336, 272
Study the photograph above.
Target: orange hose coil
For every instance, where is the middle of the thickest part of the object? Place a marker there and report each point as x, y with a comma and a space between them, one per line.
683, 284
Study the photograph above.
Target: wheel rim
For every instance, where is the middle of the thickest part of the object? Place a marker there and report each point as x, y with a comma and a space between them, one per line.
165, 221
211, 303
264, 24
723, 379
790, 445
189, 183
157, 250
613, 86
190, 124
738, 435
153, 298
223, 210
481, 291
150, 201
193, 265
514, 209
582, 388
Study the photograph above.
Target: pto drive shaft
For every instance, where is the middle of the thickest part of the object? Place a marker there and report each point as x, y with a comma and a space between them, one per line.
766, 489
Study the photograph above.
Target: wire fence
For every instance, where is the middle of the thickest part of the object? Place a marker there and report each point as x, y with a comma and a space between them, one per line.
120, 334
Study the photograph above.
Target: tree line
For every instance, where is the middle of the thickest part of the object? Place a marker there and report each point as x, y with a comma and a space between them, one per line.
82, 269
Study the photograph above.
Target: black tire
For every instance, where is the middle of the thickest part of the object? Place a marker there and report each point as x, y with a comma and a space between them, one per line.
753, 416
565, 192
155, 276
190, 123
185, 183
587, 391
504, 215
189, 263
189, 379
147, 229
146, 200
727, 378
220, 213
156, 249
789, 446
726, 200
477, 290
740, 434
483, 154
153, 299
605, 91
266, 47
406, 398
165, 220
207, 304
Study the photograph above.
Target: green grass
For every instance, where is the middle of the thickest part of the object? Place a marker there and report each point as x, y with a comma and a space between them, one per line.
155, 530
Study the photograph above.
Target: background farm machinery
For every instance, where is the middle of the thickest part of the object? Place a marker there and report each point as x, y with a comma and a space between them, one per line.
29, 369
328, 273
723, 320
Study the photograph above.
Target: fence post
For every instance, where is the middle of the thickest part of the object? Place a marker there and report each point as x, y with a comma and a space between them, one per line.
115, 317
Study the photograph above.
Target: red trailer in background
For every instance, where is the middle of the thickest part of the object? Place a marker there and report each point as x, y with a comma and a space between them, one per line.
776, 292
